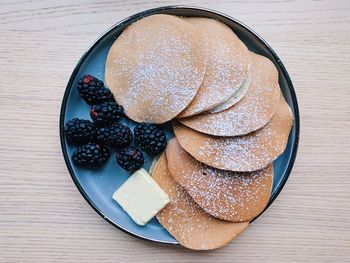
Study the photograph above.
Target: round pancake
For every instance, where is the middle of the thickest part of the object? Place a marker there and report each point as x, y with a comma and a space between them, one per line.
186, 221
236, 97
251, 152
231, 196
252, 112
228, 62
155, 68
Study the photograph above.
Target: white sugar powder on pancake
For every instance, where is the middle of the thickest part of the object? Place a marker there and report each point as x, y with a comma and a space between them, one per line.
236, 97
186, 221
245, 153
228, 61
155, 67
227, 195
252, 112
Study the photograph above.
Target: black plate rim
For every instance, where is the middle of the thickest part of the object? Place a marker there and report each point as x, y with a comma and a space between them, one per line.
136, 17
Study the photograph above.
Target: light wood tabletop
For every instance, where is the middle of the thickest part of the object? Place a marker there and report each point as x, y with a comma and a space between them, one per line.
43, 217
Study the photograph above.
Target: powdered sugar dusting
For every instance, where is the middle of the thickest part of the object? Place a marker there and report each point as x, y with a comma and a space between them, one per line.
227, 66
227, 195
236, 97
182, 214
182, 217
245, 153
155, 75
186, 221
251, 113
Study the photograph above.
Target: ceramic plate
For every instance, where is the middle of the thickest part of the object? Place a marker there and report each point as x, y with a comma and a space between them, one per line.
98, 186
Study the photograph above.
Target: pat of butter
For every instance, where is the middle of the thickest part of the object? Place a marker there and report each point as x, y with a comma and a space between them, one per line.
141, 197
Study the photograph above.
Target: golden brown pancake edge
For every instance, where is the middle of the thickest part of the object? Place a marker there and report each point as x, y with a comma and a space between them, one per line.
186, 221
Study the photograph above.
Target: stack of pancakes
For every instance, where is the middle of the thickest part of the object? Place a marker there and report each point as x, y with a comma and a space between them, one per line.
229, 118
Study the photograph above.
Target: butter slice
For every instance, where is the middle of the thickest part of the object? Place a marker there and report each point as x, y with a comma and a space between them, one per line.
141, 197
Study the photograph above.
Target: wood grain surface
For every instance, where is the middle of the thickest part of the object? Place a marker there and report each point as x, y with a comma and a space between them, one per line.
43, 218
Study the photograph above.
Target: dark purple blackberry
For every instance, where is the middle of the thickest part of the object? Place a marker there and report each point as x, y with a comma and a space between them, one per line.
90, 155
130, 159
93, 90
80, 131
117, 135
150, 138
106, 113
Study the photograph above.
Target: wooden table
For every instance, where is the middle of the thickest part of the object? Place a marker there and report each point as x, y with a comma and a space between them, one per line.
43, 218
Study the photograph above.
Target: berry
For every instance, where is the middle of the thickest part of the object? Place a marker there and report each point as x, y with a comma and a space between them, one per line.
150, 138
106, 113
117, 135
130, 159
93, 90
90, 155
80, 131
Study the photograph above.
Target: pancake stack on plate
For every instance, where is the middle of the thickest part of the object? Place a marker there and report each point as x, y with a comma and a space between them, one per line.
229, 118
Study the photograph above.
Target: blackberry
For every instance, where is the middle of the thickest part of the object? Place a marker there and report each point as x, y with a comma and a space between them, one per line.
93, 90
106, 113
117, 135
150, 138
80, 131
130, 159
90, 155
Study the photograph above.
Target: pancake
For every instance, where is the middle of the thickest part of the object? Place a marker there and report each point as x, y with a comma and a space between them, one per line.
252, 112
251, 152
232, 196
228, 60
186, 221
155, 68
236, 97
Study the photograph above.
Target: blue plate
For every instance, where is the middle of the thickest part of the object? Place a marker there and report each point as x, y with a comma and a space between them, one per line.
98, 186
